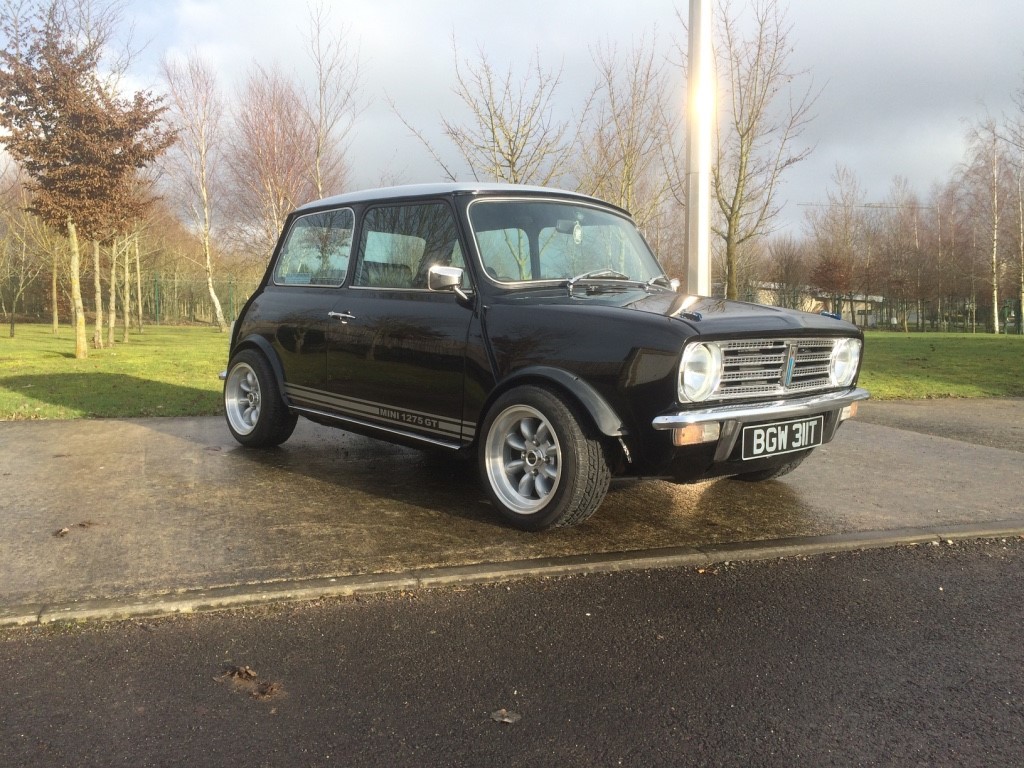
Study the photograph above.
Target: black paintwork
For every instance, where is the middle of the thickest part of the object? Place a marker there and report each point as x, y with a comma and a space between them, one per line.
417, 366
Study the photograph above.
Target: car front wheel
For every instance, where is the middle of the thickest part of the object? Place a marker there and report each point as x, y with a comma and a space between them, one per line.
256, 414
542, 466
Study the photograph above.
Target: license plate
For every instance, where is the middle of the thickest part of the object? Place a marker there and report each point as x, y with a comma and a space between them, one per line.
782, 437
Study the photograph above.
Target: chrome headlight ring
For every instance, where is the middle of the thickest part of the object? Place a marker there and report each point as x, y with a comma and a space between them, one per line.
700, 372
842, 367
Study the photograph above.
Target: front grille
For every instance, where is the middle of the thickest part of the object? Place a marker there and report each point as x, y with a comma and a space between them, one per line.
760, 367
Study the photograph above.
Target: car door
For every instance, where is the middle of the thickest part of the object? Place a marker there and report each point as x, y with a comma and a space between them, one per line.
396, 350
311, 265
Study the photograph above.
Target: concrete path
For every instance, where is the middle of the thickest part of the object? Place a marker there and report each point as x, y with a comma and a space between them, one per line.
123, 517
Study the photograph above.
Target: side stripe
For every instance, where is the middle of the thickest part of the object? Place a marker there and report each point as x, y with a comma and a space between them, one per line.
387, 414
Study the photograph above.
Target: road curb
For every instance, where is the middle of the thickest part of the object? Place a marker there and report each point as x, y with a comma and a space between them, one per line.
235, 596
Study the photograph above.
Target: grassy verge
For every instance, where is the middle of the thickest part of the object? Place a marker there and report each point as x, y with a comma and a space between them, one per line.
932, 365
161, 372
173, 371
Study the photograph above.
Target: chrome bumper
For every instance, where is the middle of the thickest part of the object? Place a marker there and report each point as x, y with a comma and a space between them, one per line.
733, 417
776, 409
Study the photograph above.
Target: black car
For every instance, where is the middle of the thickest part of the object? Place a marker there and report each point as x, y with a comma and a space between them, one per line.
536, 328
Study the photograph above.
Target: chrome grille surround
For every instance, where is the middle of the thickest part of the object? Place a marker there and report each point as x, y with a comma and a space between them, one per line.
774, 367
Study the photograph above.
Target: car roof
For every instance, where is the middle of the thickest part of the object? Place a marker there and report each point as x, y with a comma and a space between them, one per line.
444, 188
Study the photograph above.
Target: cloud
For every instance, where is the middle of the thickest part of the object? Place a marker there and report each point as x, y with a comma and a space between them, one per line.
899, 77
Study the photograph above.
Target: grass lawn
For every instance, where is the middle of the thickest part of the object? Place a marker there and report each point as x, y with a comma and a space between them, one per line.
171, 371
930, 365
164, 371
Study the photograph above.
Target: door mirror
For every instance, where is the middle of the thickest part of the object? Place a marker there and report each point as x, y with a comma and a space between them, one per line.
446, 279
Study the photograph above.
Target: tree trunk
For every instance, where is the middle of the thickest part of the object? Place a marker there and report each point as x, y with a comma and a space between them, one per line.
731, 290
112, 301
97, 336
138, 283
218, 313
81, 340
126, 294
53, 294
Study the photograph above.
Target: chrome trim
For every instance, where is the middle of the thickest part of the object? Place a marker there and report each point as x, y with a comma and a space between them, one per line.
774, 367
748, 412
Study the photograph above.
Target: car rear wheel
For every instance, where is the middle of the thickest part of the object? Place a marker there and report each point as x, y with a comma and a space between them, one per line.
256, 414
774, 472
541, 464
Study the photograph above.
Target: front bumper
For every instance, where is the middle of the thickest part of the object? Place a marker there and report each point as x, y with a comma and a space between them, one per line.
731, 417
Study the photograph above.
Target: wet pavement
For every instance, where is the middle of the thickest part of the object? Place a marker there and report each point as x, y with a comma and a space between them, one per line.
119, 517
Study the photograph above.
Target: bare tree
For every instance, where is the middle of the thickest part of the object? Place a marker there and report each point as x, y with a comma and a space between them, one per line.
1016, 135
332, 106
945, 203
24, 246
197, 113
837, 231
788, 271
513, 133
268, 158
630, 129
761, 115
987, 168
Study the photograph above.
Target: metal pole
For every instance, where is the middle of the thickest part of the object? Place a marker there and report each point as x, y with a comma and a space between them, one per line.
700, 115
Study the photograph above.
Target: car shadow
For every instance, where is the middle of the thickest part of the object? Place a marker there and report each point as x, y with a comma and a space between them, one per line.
636, 513
437, 481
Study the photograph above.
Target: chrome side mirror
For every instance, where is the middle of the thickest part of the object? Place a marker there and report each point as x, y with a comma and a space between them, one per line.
441, 278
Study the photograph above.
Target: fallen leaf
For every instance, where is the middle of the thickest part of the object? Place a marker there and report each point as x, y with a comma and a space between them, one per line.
237, 673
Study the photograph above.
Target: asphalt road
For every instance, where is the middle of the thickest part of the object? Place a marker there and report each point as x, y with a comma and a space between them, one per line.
903, 656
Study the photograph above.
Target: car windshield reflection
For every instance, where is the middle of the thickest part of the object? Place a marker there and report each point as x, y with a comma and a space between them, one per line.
530, 240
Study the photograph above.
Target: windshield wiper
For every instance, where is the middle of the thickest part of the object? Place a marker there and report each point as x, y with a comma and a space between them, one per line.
603, 274
662, 280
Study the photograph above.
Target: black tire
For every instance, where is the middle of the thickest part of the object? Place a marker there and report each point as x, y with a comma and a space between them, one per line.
541, 463
771, 474
255, 412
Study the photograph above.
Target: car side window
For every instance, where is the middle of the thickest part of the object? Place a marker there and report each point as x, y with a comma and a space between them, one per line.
316, 250
400, 243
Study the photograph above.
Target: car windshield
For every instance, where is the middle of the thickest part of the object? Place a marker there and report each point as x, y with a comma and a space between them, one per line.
542, 240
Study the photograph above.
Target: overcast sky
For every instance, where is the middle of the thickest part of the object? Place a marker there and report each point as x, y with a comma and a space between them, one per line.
900, 79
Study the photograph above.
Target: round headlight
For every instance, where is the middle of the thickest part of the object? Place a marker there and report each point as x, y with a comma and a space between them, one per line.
843, 365
700, 372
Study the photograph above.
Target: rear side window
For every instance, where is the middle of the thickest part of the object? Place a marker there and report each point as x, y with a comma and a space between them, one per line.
400, 243
316, 250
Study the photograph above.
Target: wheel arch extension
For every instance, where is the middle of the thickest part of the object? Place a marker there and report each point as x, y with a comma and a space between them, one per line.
597, 407
257, 342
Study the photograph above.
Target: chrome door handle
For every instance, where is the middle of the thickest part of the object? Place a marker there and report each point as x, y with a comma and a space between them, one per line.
343, 316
